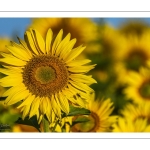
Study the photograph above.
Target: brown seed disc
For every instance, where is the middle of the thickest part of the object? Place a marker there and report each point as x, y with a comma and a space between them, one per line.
45, 75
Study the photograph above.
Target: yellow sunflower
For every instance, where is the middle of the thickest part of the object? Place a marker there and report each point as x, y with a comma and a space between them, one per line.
134, 112
23, 128
127, 125
99, 119
135, 118
133, 27
138, 88
135, 53
3, 43
83, 29
110, 40
43, 74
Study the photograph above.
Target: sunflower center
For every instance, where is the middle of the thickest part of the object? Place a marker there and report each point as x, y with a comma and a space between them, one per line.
90, 124
135, 60
145, 90
45, 75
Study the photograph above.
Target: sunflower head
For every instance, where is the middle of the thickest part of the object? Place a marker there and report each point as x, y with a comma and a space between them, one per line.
138, 86
83, 29
134, 28
99, 120
44, 76
127, 125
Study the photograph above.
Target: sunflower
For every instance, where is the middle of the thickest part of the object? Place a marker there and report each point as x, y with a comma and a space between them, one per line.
43, 75
83, 29
138, 88
134, 27
99, 119
23, 128
110, 40
135, 112
3, 43
127, 125
135, 53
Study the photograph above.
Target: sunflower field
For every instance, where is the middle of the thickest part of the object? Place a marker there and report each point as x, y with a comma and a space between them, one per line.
76, 75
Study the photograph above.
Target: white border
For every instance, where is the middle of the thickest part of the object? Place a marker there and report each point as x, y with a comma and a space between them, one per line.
88, 14
99, 135
76, 5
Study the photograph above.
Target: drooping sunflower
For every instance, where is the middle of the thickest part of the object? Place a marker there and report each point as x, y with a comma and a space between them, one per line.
99, 120
138, 88
43, 74
127, 125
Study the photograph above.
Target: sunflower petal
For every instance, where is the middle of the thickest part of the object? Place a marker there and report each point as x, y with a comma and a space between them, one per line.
49, 37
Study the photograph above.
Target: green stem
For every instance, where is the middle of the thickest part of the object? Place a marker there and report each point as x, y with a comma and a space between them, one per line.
45, 125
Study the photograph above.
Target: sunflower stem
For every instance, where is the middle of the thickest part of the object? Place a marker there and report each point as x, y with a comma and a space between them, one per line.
45, 125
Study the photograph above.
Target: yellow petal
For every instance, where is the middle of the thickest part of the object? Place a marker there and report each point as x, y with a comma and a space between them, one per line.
39, 41
57, 42
62, 46
49, 37
43, 105
78, 62
81, 69
34, 106
13, 80
74, 53
67, 49
63, 103
19, 52
55, 106
20, 95
30, 42
82, 78
12, 60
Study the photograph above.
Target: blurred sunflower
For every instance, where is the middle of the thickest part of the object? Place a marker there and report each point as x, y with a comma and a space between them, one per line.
3, 43
134, 27
99, 119
134, 54
23, 128
127, 125
43, 75
135, 118
110, 40
138, 88
83, 29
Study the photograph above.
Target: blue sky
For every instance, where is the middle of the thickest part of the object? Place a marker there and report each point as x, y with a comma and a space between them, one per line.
18, 25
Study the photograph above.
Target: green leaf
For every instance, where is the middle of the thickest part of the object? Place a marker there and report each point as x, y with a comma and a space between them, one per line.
80, 120
74, 111
31, 122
